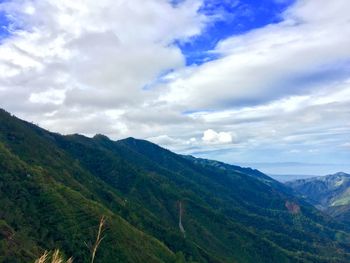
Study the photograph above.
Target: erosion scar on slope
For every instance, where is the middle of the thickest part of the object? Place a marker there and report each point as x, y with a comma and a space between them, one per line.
180, 220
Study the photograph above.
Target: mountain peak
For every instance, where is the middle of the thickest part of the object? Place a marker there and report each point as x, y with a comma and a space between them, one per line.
129, 139
341, 174
139, 144
100, 136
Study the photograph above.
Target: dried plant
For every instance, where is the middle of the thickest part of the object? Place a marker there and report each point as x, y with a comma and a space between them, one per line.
43, 258
99, 238
57, 257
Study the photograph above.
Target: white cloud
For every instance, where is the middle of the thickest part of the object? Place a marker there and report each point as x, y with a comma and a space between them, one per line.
82, 66
50, 96
211, 136
271, 62
89, 56
164, 140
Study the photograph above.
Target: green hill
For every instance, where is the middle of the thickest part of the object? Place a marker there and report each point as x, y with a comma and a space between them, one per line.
54, 189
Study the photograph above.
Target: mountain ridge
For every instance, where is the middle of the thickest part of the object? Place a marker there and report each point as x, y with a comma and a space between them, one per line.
230, 214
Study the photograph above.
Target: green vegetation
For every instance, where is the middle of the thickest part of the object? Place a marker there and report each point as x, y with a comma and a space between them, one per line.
54, 189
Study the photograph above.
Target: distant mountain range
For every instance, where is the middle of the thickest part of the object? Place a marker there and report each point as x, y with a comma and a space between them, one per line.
286, 171
159, 206
330, 193
284, 178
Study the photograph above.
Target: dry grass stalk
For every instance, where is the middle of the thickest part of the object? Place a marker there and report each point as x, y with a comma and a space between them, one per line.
99, 238
55, 258
43, 258
58, 258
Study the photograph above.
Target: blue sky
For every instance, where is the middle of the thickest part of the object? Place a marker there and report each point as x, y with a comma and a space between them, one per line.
4, 23
233, 18
264, 83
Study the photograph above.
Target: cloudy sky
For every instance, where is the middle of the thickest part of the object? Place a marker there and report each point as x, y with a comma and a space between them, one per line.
251, 82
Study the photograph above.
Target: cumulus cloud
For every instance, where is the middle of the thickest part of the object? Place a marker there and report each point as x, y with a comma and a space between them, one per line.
211, 136
166, 140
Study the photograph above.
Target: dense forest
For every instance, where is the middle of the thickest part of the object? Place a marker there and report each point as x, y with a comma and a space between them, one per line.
54, 189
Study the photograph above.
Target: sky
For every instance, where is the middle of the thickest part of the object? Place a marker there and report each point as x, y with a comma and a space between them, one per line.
261, 83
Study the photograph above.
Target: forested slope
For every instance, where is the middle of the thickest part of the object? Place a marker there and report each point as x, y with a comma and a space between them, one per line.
54, 189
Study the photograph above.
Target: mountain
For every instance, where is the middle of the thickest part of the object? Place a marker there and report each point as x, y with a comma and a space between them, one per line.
330, 193
283, 178
324, 191
48, 201
159, 206
340, 212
